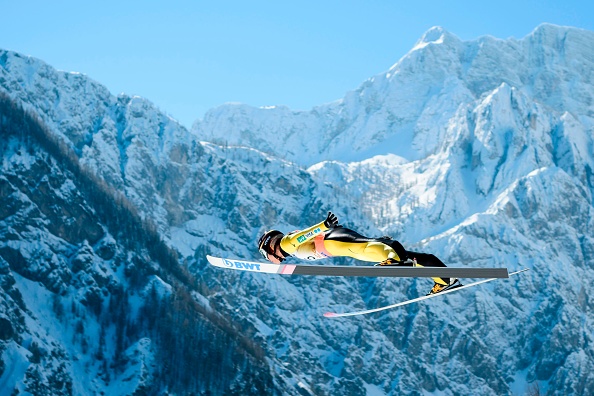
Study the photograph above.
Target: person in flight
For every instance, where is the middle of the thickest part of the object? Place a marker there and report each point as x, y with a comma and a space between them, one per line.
329, 239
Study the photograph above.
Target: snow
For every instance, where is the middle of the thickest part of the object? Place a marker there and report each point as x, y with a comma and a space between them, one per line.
469, 158
17, 358
196, 232
478, 151
435, 35
141, 357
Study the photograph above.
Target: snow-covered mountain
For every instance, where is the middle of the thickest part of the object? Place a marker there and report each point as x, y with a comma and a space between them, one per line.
478, 151
92, 300
407, 110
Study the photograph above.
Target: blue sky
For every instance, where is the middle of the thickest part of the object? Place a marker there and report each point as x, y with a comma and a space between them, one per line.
190, 56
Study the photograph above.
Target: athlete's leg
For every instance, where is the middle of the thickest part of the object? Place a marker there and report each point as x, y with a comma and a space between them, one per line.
345, 242
429, 260
342, 241
364, 251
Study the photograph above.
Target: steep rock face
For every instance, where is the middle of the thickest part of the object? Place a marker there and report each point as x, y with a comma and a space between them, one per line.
501, 175
488, 162
53, 278
86, 305
125, 140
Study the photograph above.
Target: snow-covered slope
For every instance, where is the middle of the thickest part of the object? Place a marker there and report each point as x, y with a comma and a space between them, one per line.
90, 299
478, 151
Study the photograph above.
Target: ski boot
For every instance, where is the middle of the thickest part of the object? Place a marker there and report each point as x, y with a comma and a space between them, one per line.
438, 287
391, 262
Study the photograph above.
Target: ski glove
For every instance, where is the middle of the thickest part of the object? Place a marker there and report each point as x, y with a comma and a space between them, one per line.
331, 221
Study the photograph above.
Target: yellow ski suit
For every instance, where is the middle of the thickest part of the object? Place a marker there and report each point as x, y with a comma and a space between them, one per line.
319, 242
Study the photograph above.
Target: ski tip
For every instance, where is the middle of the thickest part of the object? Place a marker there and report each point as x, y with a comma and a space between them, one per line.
330, 315
520, 271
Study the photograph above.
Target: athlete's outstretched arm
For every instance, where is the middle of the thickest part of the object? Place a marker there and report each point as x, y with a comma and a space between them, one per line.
291, 241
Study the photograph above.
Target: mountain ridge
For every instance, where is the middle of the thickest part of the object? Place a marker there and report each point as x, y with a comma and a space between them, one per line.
399, 115
484, 174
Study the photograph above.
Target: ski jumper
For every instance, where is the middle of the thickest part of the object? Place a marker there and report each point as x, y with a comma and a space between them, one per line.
319, 242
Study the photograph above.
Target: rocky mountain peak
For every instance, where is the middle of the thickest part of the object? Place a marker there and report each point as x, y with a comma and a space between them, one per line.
477, 151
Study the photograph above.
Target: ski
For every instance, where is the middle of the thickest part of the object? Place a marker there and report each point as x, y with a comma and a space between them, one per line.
453, 289
369, 271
